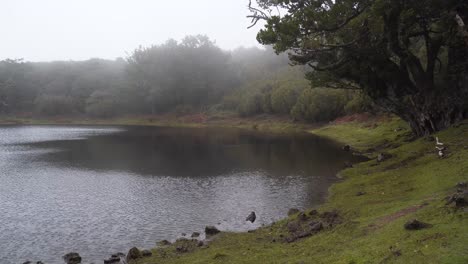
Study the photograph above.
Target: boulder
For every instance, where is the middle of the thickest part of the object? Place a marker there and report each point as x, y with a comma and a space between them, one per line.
416, 225
316, 226
146, 253
118, 254
72, 258
163, 243
313, 212
133, 253
293, 226
251, 217
184, 245
460, 198
113, 259
293, 211
211, 230
302, 216
195, 234
330, 219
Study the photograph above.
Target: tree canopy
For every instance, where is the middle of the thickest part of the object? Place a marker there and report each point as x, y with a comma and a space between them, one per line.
409, 56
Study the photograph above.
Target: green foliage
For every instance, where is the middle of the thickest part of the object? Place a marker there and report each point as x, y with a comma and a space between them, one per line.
405, 55
319, 105
359, 103
53, 105
101, 104
193, 72
193, 75
283, 99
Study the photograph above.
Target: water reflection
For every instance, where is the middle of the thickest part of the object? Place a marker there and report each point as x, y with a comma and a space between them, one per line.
99, 190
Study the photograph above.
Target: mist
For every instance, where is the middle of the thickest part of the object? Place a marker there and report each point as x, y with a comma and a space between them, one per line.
52, 30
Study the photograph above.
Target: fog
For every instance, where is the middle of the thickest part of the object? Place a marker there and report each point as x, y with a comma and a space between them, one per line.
50, 30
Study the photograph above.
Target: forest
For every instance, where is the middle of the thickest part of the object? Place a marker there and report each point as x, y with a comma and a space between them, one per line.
190, 76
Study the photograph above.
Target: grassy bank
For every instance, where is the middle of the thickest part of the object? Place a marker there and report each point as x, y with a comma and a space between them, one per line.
373, 203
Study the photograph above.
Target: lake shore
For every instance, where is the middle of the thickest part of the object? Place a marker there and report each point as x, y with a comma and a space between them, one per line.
368, 209
268, 123
364, 217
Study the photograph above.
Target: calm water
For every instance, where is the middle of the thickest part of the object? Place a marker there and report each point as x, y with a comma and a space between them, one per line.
101, 190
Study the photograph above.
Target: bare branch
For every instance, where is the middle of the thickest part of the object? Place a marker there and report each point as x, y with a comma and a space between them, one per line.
257, 15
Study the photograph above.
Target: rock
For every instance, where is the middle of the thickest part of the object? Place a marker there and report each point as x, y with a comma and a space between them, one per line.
416, 225
146, 253
164, 243
39, 262
200, 243
72, 258
330, 218
383, 157
316, 226
293, 226
304, 233
302, 216
113, 259
346, 148
27, 262
348, 164
462, 185
118, 254
183, 234
312, 212
251, 217
182, 249
133, 253
293, 211
211, 230
360, 193
460, 198
195, 234
184, 245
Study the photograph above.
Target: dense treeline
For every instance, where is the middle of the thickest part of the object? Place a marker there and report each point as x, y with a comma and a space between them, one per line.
193, 75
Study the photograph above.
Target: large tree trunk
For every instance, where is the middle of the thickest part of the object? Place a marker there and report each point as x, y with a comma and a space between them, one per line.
431, 113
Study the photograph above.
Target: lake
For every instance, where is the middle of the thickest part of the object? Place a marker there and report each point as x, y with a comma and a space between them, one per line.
99, 190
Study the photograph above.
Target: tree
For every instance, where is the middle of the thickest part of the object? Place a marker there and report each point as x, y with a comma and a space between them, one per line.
409, 56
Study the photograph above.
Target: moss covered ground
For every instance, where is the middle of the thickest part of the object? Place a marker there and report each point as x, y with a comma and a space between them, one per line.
373, 202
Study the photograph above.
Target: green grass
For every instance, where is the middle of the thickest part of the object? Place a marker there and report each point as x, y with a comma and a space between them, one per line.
411, 184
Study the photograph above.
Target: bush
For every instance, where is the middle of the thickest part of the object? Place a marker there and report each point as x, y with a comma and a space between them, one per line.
359, 103
283, 99
319, 104
101, 104
54, 105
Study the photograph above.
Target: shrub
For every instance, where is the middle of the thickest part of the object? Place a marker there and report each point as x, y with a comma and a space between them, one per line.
319, 104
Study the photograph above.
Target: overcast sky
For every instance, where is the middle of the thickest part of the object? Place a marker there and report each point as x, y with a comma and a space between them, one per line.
44, 30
